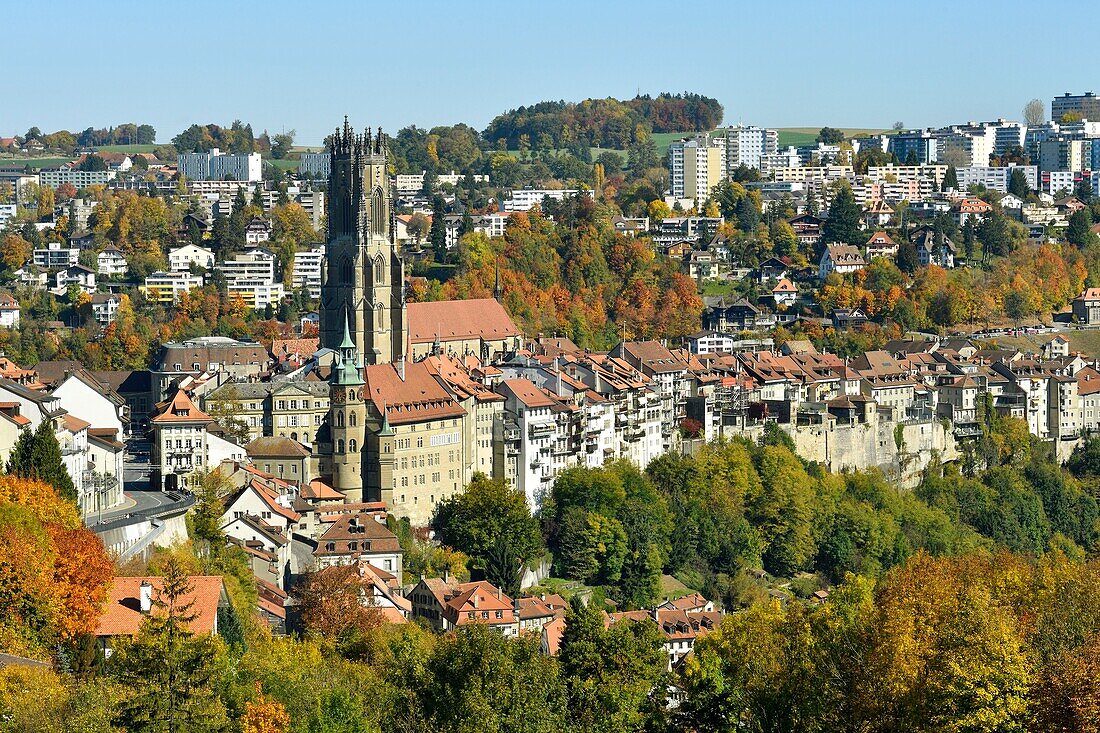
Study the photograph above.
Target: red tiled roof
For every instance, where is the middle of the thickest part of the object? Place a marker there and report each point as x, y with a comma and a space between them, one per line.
122, 615
419, 397
451, 320
180, 408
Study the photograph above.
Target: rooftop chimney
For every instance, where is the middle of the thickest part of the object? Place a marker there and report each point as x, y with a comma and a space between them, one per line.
146, 596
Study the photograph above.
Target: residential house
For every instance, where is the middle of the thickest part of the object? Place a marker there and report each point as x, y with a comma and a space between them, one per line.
1086, 307
79, 275
131, 600
105, 307
933, 248
182, 258
840, 258
288, 459
969, 208
785, 293
184, 444
111, 263
355, 538
444, 605
9, 311
881, 244
877, 213
807, 228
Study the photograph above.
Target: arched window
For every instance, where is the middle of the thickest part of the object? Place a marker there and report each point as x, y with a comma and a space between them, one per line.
380, 316
378, 212
294, 436
352, 419
340, 446
347, 271
340, 419
379, 270
352, 446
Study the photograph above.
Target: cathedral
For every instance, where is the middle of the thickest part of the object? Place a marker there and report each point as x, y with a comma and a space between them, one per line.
363, 312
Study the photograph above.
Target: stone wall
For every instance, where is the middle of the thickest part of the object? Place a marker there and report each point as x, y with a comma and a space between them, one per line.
874, 444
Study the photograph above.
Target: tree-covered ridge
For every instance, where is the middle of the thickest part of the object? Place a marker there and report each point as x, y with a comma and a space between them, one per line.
607, 123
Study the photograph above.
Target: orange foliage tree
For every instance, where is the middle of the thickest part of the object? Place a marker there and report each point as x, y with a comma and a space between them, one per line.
54, 573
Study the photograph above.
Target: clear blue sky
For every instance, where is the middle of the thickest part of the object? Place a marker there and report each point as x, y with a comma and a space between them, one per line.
304, 64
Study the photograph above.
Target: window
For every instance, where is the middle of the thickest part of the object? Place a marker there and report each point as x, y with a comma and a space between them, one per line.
353, 446
331, 547
340, 446
353, 545
340, 418
352, 419
379, 271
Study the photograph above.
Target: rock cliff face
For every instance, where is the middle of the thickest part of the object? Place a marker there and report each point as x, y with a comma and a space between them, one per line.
901, 450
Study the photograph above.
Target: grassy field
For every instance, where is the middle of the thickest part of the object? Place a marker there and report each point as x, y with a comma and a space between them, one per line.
1087, 342
807, 135
126, 148
285, 164
34, 162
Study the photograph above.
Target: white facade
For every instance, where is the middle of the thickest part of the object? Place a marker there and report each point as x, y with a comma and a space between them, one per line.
217, 166
695, 166
167, 287
111, 263
180, 259
55, 255
746, 145
255, 266
79, 179
315, 165
524, 199
307, 270
995, 179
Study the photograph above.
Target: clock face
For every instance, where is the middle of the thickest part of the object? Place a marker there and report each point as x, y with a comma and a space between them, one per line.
338, 396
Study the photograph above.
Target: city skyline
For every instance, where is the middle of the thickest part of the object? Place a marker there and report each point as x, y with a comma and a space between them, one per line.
779, 67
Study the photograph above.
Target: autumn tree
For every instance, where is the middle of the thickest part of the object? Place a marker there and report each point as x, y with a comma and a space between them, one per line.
333, 603
264, 715
172, 674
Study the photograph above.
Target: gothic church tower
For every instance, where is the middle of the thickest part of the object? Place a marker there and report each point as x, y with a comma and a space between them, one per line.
362, 273
362, 301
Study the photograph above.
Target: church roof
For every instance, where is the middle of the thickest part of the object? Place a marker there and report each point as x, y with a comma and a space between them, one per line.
419, 397
453, 320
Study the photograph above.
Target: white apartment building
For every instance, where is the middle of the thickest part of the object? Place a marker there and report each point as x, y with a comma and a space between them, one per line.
1063, 154
105, 307
111, 263
966, 145
255, 266
217, 166
315, 165
747, 145
217, 190
788, 158
7, 212
257, 294
407, 183
79, 179
183, 445
524, 199
167, 287
54, 254
307, 270
180, 259
996, 179
695, 166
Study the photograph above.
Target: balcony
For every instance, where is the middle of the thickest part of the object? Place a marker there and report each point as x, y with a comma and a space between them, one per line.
541, 430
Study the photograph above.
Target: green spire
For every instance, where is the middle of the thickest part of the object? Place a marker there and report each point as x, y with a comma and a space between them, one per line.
348, 343
385, 430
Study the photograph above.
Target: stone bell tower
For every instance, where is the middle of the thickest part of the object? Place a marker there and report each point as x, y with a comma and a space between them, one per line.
362, 273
